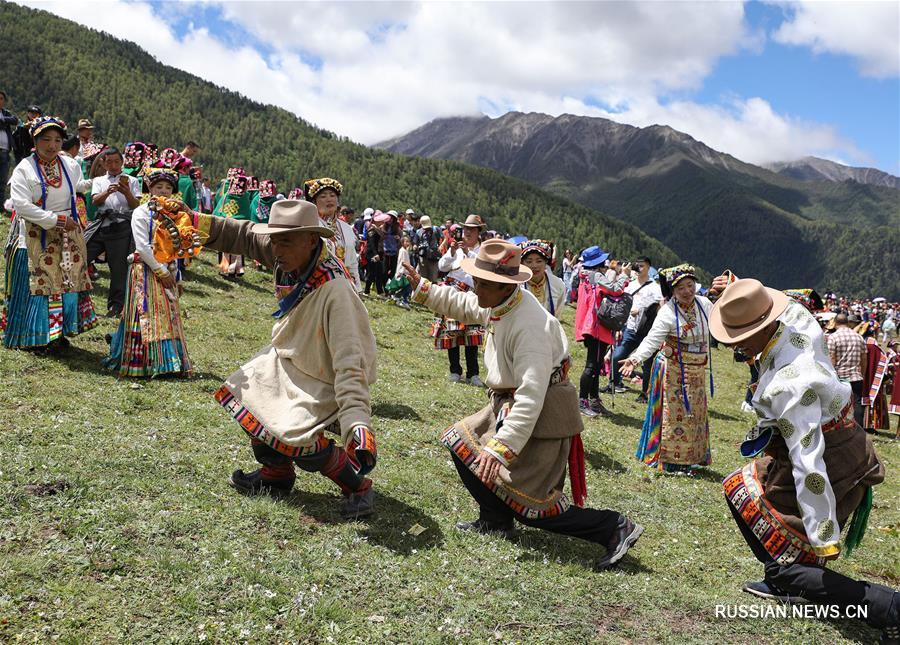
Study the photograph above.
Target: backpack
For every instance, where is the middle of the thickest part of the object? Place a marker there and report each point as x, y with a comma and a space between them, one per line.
614, 309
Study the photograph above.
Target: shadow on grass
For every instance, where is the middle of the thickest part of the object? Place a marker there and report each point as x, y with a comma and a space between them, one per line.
601, 461
538, 545
395, 411
388, 528
722, 417
855, 630
78, 359
622, 420
706, 474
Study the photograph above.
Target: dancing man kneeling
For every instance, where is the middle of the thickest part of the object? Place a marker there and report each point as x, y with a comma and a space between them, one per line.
512, 455
314, 378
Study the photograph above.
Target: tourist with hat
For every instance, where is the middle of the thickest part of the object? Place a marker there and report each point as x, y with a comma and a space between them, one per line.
450, 334
546, 287
150, 338
512, 455
593, 286
817, 467
312, 382
375, 252
48, 288
325, 193
426, 245
675, 435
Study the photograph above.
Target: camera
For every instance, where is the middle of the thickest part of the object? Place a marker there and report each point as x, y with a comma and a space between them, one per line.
458, 234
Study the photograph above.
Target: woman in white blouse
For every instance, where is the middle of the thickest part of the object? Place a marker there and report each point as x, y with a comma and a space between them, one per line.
675, 436
546, 287
47, 285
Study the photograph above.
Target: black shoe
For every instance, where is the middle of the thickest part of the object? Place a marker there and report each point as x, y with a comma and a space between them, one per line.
114, 312
253, 483
598, 408
358, 505
765, 589
505, 529
57, 346
641, 398
623, 539
607, 390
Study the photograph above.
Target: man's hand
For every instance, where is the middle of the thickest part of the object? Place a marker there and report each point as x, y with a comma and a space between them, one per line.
488, 467
412, 275
112, 188
168, 281
720, 282
626, 367
70, 224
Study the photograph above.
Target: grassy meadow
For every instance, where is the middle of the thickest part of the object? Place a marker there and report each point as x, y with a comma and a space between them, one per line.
117, 523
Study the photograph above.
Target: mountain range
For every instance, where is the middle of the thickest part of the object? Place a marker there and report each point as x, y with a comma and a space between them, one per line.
807, 225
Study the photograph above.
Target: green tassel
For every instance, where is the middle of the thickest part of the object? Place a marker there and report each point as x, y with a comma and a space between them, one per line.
858, 524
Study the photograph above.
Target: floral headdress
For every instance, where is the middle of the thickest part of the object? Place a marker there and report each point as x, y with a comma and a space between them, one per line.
169, 157
314, 186
237, 185
296, 193
806, 297
161, 173
252, 183
236, 171
267, 188
134, 154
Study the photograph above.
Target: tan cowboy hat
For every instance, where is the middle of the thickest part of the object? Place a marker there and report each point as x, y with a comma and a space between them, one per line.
745, 307
474, 221
497, 261
289, 215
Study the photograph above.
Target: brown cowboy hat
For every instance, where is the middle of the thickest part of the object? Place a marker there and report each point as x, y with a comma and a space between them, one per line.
290, 215
474, 221
745, 307
497, 261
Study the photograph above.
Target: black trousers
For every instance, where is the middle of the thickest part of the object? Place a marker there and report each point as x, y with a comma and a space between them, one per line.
374, 275
5, 164
824, 587
390, 268
857, 388
587, 524
116, 240
471, 361
589, 385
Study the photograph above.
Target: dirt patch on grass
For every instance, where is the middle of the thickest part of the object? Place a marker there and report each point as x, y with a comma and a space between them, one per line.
47, 489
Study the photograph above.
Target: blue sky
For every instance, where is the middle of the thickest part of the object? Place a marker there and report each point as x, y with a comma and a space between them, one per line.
762, 81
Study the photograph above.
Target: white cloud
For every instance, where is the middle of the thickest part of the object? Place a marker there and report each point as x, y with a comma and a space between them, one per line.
373, 70
868, 31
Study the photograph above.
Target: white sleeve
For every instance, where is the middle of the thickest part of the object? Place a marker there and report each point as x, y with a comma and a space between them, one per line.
451, 302
796, 405
450, 260
532, 369
22, 201
351, 261
662, 327
140, 229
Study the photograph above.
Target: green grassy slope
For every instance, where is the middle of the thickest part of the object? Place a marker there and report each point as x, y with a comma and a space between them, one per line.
117, 524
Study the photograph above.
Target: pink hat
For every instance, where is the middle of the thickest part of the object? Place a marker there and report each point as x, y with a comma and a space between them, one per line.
381, 218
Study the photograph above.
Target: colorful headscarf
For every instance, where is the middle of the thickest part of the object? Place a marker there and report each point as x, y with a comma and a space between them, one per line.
252, 183
314, 186
237, 185
91, 149
295, 193
134, 154
169, 157
152, 154
45, 123
267, 188
542, 247
183, 164
676, 274
236, 171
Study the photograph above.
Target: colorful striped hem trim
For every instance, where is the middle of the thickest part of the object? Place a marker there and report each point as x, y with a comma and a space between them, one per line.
743, 492
455, 444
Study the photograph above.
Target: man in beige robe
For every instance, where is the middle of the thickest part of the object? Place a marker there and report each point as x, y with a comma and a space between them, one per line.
313, 380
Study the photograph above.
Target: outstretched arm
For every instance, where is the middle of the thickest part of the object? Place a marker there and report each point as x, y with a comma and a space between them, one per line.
234, 236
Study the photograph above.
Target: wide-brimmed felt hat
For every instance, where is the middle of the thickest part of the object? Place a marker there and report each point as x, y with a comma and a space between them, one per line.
593, 256
746, 306
497, 261
290, 215
474, 221
85, 123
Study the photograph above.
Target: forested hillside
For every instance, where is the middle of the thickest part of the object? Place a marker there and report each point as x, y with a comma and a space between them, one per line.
77, 72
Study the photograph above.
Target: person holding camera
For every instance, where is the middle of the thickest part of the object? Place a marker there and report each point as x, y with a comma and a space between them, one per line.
449, 334
115, 195
425, 245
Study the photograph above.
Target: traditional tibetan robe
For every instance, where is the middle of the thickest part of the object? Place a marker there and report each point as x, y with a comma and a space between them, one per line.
818, 462
551, 292
532, 418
